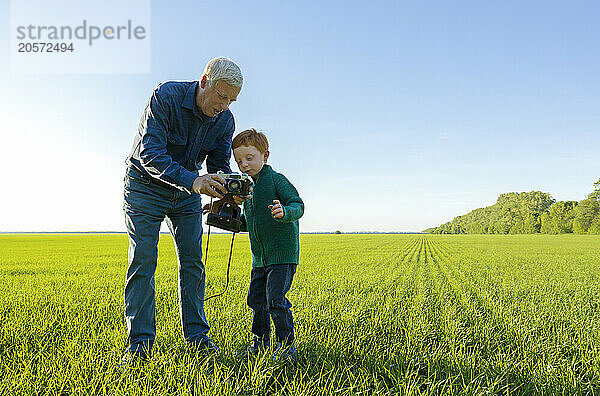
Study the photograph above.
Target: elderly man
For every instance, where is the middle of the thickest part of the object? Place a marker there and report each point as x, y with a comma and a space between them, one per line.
184, 123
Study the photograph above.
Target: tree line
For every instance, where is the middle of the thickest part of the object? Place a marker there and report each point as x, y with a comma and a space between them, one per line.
529, 213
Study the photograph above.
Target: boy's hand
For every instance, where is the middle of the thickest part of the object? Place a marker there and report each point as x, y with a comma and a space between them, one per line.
276, 209
240, 200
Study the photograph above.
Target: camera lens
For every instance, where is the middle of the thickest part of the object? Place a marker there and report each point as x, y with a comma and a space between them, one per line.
233, 186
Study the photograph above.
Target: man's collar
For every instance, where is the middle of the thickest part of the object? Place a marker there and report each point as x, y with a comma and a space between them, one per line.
189, 102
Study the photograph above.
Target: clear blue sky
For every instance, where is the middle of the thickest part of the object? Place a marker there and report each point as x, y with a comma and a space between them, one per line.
387, 115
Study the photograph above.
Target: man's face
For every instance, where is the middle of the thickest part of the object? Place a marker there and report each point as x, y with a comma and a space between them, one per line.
216, 98
249, 159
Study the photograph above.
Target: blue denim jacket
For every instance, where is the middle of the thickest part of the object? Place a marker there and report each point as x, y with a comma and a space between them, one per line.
174, 137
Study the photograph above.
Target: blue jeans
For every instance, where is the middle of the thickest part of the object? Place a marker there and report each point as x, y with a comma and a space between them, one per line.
266, 297
146, 205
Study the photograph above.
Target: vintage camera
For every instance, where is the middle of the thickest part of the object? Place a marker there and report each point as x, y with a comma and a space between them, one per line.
225, 213
237, 184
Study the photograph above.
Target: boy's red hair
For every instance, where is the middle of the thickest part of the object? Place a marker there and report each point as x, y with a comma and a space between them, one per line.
251, 137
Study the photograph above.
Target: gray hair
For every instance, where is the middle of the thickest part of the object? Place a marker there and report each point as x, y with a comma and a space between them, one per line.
223, 69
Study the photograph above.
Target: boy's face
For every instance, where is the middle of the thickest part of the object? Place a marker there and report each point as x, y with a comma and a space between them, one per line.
249, 159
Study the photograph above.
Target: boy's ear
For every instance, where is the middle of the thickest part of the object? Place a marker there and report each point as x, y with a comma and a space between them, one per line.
266, 155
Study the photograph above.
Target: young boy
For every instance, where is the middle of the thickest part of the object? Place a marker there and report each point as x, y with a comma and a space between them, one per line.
271, 219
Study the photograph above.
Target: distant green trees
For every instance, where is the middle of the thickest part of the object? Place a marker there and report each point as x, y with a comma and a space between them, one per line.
529, 213
559, 218
586, 218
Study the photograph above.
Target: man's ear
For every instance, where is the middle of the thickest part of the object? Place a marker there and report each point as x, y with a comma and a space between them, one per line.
203, 81
266, 155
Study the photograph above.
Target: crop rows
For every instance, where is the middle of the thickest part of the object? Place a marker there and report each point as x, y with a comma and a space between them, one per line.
374, 314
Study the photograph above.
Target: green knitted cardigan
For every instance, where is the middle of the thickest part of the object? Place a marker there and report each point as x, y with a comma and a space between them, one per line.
273, 241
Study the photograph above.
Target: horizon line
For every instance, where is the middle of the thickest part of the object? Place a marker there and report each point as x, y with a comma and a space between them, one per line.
212, 232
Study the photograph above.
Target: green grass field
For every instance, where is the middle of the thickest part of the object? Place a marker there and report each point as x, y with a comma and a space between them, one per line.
374, 314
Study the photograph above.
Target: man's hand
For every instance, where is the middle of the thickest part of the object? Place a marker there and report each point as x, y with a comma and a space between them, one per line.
210, 184
276, 209
240, 200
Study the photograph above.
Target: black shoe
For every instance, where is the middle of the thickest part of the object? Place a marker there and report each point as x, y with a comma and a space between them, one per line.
205, 346
133, 358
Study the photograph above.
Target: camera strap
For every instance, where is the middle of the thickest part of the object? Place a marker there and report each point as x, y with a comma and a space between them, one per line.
206, 260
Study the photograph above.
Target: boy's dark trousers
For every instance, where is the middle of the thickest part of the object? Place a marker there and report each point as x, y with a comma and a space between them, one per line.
266, 297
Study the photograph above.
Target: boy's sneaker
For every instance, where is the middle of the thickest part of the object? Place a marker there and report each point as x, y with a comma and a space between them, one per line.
258, 345
285, 353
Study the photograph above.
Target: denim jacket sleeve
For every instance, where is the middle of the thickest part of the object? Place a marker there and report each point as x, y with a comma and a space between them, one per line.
154, 128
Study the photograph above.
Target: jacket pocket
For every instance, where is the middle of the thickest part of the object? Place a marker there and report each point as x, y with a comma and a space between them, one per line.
209, 144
